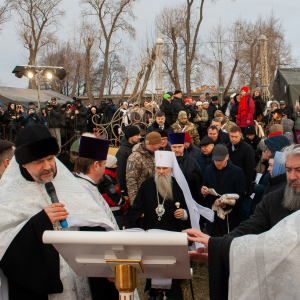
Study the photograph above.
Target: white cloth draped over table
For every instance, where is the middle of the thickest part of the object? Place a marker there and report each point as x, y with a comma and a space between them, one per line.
21, 199
267, 266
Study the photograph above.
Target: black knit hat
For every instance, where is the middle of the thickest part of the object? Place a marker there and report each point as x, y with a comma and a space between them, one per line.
250, 129
177, 92
132, 131
33, 143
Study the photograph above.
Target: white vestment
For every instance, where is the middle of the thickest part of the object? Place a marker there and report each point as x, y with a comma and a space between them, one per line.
21, 199
267, 266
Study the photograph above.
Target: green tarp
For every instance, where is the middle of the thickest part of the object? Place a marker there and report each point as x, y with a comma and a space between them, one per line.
286, 85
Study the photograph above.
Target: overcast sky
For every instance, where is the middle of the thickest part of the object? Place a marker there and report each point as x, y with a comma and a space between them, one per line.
13, 53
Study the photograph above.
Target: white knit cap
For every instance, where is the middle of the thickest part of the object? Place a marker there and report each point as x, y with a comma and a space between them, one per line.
110, 161
232, 96
198, 103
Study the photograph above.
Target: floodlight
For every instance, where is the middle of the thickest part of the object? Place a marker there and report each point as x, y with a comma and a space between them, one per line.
30, 72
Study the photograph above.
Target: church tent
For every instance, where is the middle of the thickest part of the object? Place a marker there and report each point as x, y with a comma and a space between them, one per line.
286, 85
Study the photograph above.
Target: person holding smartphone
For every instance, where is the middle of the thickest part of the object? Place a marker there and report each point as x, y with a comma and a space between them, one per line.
31, 118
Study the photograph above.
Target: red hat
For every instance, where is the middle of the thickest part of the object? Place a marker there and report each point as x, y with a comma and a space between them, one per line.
187, 138
245, 88
187, 100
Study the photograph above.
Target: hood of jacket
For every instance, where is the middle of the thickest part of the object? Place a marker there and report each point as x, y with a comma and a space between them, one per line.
125, 143
8, 106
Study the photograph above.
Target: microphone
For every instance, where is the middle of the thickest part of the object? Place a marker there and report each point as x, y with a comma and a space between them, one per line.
52, 195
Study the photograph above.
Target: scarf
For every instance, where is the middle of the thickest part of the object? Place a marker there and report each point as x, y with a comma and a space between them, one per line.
242, 107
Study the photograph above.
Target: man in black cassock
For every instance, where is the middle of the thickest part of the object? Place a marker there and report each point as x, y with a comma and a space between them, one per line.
272, 209
30, 269
160, 204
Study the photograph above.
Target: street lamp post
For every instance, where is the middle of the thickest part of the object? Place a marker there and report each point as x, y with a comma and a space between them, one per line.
38, 71
221, 88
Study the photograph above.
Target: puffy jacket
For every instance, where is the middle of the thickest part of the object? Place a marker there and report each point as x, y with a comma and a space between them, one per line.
166, 107
54, 116
178, 106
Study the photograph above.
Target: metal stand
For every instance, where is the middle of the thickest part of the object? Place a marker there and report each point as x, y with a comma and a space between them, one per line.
126, 281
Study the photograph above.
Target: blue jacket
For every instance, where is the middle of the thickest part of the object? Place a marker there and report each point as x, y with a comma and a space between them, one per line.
31, 119
43, 118
233, 181
111, 111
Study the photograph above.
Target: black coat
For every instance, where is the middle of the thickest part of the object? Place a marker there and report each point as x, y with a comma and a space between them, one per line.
234, 111
232, 182
177, 106
122, 155
166, 107
267, 214
288, 111
244, 158
154, 127
54, 117
224, 137
146, 202
193, 151
259, 106
204, 161
254, 143
90, 124
192, 173
81, 117
211, 111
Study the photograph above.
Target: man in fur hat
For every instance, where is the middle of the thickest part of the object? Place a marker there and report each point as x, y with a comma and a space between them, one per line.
31, 269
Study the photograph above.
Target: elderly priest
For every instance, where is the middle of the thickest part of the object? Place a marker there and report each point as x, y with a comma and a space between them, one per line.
165, 202
30, 269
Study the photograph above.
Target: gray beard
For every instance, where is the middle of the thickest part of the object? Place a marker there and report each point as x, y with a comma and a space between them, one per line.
164, 186
291, 199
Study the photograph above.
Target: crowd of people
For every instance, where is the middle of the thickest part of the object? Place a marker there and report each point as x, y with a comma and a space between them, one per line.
183, 152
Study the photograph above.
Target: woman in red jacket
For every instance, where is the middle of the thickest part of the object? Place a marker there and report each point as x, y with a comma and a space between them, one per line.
246, 109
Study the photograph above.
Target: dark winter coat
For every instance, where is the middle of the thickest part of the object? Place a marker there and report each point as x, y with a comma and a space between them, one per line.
54, 116
193, 151
90, 120
204, 161
223, 138
177, 106
192, 173
111, 109
122, 155
243, 157
43, 118
253, 143
234, 111
31, 119
259, 106
81, 116
232, 182
166, 107
288, 111
155, 127
7, 117
211, 111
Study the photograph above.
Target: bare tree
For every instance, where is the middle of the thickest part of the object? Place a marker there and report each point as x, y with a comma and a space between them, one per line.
4, 12
170, 25
38, 20
113, 16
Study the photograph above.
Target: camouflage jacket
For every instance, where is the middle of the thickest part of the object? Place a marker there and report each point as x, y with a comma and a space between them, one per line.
226, 124
190, 129
140, 166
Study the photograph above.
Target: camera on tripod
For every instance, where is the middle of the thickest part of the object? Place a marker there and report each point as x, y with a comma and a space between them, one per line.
104, 106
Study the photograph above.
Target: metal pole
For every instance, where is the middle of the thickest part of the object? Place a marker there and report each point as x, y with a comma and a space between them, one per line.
39, 91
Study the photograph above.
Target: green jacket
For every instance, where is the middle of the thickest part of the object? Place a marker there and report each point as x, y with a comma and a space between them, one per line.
200, 114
